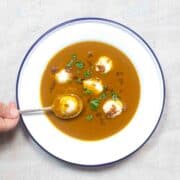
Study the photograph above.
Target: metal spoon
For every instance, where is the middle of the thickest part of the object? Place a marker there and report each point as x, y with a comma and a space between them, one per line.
60, 107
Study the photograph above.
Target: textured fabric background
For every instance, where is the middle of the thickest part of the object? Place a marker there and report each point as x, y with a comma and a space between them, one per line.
158, 21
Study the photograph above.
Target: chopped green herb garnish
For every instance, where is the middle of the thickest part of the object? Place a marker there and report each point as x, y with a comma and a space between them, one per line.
102, 96
89, 117
114, 95
94, 104
87, 74
87, 91
70, 63
104, 88
78, 71
104, 74
79, 64
74, 57
79, 80
92, 67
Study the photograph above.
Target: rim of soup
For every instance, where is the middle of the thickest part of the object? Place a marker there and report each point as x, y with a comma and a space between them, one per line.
106, 81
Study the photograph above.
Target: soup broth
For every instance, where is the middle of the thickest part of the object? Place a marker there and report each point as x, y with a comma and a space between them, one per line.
73, 70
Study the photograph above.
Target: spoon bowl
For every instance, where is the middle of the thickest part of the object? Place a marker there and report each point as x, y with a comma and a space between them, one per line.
65, 106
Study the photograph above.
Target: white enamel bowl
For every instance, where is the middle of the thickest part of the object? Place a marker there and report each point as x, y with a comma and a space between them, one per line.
118, 146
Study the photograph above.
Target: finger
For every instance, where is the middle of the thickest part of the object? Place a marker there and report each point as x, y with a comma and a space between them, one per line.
12, 104
13, 111
8, 124
3, 110
9, 111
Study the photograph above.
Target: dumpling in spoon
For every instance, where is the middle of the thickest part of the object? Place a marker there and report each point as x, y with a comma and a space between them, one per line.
67, 106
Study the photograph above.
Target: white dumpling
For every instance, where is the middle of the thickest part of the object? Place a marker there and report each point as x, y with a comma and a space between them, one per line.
104, 64
68, 104
94, 84
112, 108
63, 76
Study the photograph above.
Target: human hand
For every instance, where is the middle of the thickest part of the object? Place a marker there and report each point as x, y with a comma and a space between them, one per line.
9, 116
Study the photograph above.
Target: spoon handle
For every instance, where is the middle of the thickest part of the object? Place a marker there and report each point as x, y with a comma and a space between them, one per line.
30, 111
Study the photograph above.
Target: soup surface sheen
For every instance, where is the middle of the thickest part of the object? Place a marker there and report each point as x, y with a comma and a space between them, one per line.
121, 83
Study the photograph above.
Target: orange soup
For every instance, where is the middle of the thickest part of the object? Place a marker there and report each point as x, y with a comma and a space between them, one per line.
106, 81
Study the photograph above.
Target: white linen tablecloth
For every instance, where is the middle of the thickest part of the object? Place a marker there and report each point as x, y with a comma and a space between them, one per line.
158, 21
